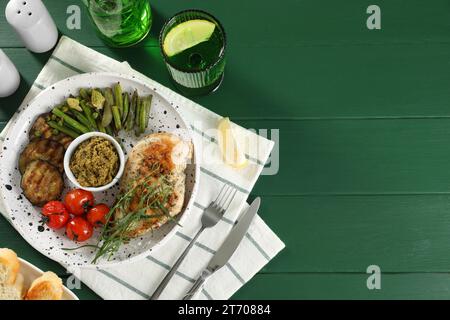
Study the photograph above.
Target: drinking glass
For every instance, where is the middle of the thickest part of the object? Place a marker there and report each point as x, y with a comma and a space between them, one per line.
120, 23
199, 69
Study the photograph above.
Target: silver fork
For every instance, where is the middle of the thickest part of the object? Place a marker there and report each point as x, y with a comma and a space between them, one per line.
212, 214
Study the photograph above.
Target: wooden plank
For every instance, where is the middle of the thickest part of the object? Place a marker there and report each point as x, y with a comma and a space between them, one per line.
345, 286
359, 157
294, 23
349, 233
337, 82
307, 83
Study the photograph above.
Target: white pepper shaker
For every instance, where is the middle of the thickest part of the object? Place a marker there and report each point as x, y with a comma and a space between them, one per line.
9, 76
32, 22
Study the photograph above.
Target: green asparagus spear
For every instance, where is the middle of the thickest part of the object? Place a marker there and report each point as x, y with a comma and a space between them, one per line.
142, 116
137, 130
118, 97
116, 116
82, 118
148, 107
71, 127
126, 107
132, 112
107, 112
63, 129
88, 113
69, 120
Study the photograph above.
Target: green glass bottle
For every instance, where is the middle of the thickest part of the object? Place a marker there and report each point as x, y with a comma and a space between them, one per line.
193, 46
120, 23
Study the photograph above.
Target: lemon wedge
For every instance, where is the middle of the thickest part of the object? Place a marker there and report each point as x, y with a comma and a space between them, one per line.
186, 35
232, 150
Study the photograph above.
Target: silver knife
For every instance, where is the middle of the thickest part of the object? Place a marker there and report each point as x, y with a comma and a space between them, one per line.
226, 250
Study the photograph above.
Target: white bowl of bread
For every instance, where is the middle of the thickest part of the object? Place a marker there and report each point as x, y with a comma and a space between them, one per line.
20, 280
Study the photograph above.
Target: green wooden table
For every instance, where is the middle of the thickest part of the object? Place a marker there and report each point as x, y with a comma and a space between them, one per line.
364, 120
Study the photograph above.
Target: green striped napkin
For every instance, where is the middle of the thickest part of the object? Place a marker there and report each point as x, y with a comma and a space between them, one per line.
137, 280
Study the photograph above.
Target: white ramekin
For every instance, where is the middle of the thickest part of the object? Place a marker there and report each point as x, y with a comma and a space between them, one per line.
74, 145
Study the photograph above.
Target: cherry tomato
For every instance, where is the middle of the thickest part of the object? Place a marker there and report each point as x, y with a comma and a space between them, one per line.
55, 214
79, 201
53, 207
97, 215
78, 229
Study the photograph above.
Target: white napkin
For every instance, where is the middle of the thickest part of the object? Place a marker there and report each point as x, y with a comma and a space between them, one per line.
138, 280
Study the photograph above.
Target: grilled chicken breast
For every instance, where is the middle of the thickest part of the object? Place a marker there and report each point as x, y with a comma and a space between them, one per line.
41, 129
42, 149
169, 155
41, 182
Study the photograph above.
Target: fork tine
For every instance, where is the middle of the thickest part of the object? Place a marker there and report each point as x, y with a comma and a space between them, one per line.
226, 198
231, 200
219, 195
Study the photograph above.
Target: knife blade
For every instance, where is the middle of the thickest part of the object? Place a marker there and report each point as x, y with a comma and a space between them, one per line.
228, 247
233, 240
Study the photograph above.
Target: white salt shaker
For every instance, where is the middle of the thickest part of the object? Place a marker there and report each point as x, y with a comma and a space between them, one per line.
32, 22
9, 76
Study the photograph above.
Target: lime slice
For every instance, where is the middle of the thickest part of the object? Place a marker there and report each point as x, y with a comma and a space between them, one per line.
231, 148
186, 35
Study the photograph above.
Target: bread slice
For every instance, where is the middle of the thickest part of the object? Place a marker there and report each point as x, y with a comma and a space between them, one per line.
18, 285
14, 291
8, 292
47, 287
9, 266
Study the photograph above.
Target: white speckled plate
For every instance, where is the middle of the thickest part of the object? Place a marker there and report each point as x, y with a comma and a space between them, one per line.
26, 218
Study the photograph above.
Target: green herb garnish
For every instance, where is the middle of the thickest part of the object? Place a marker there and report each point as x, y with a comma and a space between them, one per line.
154, 192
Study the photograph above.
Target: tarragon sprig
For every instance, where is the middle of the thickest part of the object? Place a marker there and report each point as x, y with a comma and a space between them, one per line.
154, 192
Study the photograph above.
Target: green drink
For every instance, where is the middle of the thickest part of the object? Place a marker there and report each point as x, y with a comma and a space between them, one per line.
193, 46
121, 23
